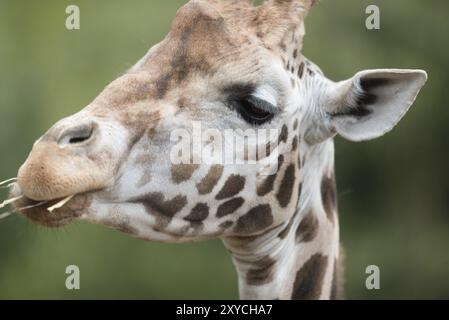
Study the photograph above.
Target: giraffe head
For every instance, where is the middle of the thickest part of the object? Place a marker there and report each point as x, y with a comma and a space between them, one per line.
224, 65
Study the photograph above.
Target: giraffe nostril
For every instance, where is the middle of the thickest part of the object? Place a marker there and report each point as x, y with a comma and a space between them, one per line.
80, 138
77, 135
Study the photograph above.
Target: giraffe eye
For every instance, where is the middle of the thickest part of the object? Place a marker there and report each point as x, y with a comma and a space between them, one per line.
254, 110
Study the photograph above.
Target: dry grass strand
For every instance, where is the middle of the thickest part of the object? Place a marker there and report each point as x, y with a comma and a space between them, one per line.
60, 204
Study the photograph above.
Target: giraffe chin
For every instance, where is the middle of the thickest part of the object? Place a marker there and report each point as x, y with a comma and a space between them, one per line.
59, 217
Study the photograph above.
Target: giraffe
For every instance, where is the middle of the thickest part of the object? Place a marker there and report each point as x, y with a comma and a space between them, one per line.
226, 64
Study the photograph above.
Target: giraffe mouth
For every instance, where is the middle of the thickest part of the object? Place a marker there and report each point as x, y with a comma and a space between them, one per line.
41, 212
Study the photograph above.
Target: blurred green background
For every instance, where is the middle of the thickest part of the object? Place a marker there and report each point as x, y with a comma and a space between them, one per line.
394, 192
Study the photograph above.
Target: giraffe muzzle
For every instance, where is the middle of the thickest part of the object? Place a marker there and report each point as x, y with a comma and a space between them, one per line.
64, 162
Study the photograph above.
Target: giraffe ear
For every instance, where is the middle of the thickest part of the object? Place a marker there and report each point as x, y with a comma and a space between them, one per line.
372, 102
276, 17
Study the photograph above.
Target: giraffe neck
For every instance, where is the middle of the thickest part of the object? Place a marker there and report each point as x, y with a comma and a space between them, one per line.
297, 259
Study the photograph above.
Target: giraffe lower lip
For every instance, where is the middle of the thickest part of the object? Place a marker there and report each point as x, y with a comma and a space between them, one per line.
39, 214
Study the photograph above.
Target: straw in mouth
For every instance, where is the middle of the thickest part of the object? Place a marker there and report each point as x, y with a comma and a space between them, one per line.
9, 201
8, 181
11, 183
60, 204
9, 186
7, 214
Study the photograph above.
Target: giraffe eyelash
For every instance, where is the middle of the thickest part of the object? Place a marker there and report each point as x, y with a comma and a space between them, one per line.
253, 110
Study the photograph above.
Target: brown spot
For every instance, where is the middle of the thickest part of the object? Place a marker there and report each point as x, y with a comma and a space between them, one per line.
299, 194
124, 92
226, 224
301, 70
257, 219
229, 207
189, 45
182, 172
164, 210
183, 102
268, 149
307, 229
262, 272
283, 234
139, 122
199, 213
268, 184
262, 154
295, 144
144, 160
283, 46
295, 53
296, 124
119, 222
232, 187
144, 180
283, 136
210, 180
309, 279
152, 133
285, 191
310, 72
329, 196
